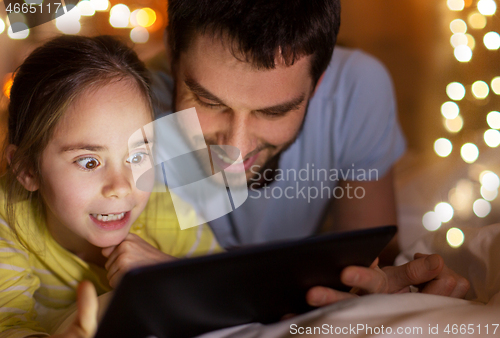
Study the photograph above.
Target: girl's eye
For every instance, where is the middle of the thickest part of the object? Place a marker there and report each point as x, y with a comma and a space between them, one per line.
88, 163
136, 158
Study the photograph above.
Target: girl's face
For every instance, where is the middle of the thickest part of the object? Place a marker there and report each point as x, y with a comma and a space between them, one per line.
87, 182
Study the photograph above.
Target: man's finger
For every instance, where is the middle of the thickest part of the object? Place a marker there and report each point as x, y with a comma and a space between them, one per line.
418, 271
321, 296
449, 284
370, 280
463, 286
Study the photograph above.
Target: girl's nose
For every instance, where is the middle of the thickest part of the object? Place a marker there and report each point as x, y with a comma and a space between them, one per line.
118, 183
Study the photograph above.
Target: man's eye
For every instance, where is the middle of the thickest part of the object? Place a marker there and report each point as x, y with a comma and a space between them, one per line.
208, 105
136, 158
88, 163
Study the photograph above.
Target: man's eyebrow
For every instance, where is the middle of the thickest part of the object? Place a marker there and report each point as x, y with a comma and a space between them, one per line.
198, 89
283, 108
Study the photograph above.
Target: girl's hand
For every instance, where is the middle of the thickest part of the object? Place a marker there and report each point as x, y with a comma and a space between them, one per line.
133, 252
85, 323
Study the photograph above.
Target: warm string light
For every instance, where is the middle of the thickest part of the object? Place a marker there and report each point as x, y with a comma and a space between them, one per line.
455, 237
463, 199
2, 26
69, 23
120, 16
7, 84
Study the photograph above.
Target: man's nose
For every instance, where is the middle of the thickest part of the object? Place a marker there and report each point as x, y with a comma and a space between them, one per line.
118, 182
239, 133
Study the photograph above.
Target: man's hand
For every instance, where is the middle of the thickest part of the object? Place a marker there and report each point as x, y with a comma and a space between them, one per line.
133, 252
427, 272
85, 323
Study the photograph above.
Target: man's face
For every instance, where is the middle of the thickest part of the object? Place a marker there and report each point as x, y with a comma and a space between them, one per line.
259, 111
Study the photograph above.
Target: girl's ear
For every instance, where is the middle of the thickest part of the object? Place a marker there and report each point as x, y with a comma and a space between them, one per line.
26, 178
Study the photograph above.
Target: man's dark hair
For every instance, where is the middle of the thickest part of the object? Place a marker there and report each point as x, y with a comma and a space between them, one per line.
260, 30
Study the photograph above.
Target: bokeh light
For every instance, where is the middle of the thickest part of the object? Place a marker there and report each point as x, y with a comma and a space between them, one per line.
139, 35
86, 8
471, 42
431, 221
492, 138
455, 237
455, 91
477, 21
487, 7
444, 211
493, 119
458, 39
480, 89
495, 85
463, 53
69, 23
489, 180
2, 26
469, 152
7, 84
456, 5
21, 34
492, 40
481, 208
146, 17
100, 5
133, 18
450, 110
119, 16
458, 26
462, 197
443, 147
454, 125
488, 195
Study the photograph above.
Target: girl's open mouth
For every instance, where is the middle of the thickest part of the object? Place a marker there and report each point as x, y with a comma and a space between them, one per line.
110, 221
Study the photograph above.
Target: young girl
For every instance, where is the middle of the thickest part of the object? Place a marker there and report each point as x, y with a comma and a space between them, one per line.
69, 208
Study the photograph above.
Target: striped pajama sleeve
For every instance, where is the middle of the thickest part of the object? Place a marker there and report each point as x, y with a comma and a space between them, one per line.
17, 286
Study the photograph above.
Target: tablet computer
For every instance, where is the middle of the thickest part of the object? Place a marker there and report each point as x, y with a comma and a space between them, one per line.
261, 283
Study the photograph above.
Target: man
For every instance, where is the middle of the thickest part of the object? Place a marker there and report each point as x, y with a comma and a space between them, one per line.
318, 135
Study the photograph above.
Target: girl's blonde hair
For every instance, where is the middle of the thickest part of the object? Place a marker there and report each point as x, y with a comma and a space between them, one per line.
45, 85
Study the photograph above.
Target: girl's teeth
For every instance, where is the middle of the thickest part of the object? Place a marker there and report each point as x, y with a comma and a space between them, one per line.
108, 217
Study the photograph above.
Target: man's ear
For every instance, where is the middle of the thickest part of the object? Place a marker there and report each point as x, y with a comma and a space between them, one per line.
26, 178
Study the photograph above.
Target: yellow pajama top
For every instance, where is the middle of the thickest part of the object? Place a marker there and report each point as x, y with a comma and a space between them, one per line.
47, 275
